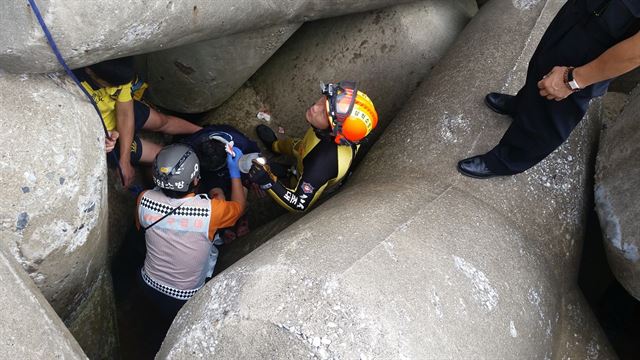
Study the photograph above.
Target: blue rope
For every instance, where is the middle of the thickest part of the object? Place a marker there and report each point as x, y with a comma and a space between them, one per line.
54, 47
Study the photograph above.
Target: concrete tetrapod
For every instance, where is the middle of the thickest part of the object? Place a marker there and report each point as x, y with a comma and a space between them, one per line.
388, 51
411, 260
30, 327
616, 194
198, 77
90, 32
54, 221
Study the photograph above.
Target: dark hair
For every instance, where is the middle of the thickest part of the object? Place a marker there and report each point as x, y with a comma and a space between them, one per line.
212, 155
116, 71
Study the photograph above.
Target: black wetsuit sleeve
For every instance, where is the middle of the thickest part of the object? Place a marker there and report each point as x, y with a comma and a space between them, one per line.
320, 166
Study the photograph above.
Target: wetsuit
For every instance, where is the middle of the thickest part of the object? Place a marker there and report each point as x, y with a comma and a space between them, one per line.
320, 163
576, 37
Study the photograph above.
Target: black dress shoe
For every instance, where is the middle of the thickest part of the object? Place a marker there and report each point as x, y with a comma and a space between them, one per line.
475, 167
266, 135
503, 104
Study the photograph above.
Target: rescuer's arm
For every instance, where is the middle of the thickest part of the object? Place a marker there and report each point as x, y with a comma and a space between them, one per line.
617, 60
237, 191
318, 170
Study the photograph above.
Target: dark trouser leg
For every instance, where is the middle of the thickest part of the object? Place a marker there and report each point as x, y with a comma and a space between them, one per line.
540, 126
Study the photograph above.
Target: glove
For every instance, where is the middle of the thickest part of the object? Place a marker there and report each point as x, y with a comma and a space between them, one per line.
259, 175
232, 163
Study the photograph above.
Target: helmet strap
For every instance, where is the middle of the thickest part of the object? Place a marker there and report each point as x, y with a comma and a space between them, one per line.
177, 166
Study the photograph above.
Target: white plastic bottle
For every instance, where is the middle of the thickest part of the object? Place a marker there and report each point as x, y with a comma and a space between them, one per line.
246, 160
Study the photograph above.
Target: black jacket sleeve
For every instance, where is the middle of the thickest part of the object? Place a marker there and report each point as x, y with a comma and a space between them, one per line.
320, 166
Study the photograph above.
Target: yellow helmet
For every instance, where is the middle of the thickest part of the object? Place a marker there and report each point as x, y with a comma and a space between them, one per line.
351, 117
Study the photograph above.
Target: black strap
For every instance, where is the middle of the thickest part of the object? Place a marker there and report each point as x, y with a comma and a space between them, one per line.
164, 217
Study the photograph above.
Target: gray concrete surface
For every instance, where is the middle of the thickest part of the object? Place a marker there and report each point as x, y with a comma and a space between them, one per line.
198, 77
388, 51
54, 221
412, 260
616, 194
90, 32
94, 321
30, 327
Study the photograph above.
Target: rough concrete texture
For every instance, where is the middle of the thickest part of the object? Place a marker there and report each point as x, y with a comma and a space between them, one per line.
54, 220
30, 327
94, 321
389, 51
90, 32
616, 194
122, 207
198, 77
412, 260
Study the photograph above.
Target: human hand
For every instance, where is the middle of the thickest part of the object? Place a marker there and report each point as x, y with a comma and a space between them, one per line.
128, 173
553, 85
259, 175
259, 193
110, 141
232, 163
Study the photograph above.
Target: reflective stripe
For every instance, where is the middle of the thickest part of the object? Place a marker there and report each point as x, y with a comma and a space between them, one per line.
168, 290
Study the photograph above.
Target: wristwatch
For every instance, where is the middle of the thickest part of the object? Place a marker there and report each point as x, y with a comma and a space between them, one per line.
571, 82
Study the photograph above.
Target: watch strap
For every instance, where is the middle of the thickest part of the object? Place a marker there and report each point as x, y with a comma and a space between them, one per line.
570, 81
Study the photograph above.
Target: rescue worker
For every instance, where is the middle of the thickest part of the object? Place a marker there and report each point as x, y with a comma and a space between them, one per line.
589, 43
117, 92
179, 227
339, 121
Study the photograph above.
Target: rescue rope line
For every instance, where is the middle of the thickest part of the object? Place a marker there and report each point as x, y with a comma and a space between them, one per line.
56, 52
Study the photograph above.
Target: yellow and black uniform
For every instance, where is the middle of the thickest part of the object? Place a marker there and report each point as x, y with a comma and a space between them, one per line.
321, 163
106, 99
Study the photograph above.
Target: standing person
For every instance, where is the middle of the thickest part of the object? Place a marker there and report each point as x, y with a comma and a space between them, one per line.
339, 120
179, 228
116, 90
589, 43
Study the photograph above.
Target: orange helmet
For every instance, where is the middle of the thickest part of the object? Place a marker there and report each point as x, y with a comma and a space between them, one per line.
351, 117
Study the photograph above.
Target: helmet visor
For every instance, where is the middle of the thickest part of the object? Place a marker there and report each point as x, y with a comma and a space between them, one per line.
341, 98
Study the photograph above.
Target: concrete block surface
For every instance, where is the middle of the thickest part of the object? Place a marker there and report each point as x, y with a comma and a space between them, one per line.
198, 77
389, 52
30, 327
52, 162
412, 260
616, 194
90, 32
